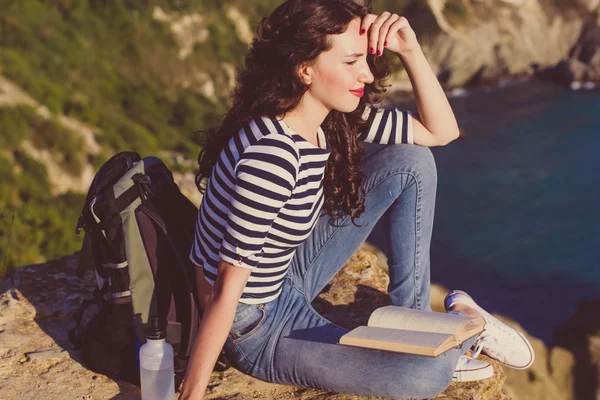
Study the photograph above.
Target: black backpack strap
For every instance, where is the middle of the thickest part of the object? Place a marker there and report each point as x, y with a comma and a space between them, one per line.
93, 234
74, 333
110, 172
222, 362
86, 256
94, 228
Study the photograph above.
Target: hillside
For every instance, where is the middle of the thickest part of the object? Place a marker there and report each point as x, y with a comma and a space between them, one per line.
83, 79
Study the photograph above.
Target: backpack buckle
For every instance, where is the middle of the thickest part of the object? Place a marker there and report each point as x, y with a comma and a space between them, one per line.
143, 182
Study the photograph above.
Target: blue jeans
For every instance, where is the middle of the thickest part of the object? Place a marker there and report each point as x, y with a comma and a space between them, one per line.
286, 341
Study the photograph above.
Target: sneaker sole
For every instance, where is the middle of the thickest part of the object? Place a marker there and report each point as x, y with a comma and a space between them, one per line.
483, 373
471, 303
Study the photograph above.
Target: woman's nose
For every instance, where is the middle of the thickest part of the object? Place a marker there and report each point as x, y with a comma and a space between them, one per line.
366, 76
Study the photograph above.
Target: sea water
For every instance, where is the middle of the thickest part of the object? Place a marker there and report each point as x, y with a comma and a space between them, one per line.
517, 219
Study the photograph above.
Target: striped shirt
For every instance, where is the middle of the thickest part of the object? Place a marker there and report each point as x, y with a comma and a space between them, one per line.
264, 196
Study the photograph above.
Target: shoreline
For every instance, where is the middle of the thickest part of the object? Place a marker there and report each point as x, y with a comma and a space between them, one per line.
403, 96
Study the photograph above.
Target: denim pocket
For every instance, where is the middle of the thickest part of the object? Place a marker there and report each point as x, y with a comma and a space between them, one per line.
249, 322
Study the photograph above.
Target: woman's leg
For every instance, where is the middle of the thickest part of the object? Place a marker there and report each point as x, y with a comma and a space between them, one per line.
400, 190
286, 341
303, 350
306, 353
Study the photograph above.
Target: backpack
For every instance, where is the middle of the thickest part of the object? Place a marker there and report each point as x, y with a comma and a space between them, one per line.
139, 230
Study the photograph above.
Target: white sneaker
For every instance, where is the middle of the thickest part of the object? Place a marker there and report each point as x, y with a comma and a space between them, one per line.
498, 340
469, 369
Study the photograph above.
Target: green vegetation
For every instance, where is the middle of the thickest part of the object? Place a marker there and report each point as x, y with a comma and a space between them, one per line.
30, 230
20, 123
110, 64
106, 63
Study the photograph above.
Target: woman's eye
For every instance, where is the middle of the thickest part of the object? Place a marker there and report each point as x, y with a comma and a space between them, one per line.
351, 62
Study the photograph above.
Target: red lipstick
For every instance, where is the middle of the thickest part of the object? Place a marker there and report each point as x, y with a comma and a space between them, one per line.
358, 93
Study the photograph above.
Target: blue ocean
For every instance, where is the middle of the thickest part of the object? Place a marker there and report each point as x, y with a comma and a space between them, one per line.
517, 221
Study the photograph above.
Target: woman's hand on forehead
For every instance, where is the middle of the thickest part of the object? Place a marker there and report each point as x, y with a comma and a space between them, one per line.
388, 31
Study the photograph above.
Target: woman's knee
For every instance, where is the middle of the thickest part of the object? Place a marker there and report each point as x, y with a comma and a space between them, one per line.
412, 159
419, 160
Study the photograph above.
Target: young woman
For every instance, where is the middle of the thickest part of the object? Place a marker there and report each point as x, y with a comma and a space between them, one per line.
291, 195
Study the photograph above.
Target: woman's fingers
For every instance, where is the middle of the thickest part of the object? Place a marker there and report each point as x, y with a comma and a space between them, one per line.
366, 23
398, 25
381, 30
385, 31
374, 33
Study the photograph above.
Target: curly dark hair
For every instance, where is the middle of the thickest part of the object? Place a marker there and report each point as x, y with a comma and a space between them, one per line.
297, 32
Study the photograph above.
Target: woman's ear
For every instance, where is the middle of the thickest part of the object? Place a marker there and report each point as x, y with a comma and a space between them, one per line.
305, 74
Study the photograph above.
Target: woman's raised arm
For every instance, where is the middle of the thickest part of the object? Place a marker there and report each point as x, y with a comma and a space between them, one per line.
435, 125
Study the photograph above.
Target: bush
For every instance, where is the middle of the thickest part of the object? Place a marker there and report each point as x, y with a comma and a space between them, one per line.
58, 225
33, 181
455, 11
7, 181
30, 231
13, 129
24, 123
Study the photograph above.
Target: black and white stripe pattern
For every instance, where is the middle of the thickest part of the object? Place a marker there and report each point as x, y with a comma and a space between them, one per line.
263, 199
387, 126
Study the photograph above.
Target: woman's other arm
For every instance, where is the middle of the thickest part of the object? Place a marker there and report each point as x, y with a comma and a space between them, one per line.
217, 319
436, 124
203, 288
265, 177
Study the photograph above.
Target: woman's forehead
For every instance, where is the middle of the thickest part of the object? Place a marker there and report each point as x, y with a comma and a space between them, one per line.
349, 42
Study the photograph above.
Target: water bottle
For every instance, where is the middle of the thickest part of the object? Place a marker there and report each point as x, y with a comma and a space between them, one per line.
156, 364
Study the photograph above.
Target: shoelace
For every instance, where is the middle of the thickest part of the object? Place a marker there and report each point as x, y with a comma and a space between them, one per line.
486, 338
478, 347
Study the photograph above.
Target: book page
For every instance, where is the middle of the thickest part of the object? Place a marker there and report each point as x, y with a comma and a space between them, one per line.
394, 339
416, 320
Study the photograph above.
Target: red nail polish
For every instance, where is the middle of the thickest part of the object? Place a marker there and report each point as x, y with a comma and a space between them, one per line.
378, 52
372, 50
362, 31
385, 43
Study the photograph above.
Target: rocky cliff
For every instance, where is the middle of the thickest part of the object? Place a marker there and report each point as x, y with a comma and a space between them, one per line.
470, 42
38, 361
581, 336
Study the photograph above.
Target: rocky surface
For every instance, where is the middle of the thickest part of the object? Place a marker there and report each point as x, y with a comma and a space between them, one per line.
581, 336
486, 41
37, 360
549, 378
583, 62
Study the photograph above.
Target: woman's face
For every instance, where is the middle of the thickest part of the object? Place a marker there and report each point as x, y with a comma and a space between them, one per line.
339, 75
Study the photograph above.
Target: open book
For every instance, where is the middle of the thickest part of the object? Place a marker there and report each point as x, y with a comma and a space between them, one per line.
406, 330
